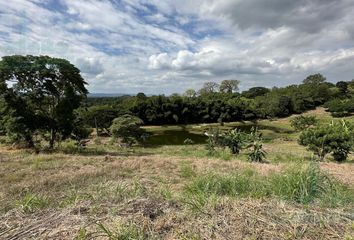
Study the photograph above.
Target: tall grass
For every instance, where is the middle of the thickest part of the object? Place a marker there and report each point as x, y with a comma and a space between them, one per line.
305, 184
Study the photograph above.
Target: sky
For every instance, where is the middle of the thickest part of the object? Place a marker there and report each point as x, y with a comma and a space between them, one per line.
168, 46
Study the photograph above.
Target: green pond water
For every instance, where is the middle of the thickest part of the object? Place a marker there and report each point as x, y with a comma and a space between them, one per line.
177, 137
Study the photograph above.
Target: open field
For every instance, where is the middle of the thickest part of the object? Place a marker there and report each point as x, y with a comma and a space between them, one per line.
176, 191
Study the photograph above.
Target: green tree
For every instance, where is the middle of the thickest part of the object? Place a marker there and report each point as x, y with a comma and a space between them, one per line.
190, 93
315, 79
335, 138
255, 92
209, 87
229, 86
99, 117
128, 128
342, 86
40, 94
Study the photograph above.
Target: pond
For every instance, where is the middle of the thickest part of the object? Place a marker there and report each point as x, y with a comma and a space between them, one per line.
177, 137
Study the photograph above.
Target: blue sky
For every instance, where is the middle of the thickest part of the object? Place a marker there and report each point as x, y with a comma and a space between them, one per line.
154, 46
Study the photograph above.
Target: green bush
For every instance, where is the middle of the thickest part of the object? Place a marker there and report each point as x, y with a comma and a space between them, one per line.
257, 154
339, 107
335, 138
235, 140
128, 128
302, 122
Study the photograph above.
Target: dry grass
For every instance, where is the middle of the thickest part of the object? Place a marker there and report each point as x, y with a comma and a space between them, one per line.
119, 189
229, 219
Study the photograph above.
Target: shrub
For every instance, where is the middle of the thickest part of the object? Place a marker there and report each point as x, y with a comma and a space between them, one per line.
235, 140
215, 139
257, 153
302, 122
128, 129
340, 108
335, 138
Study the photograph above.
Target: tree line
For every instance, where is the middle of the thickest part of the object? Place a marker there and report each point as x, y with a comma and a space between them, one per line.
223, 103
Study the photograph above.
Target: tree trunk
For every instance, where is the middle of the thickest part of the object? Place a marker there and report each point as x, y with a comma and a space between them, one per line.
52, 139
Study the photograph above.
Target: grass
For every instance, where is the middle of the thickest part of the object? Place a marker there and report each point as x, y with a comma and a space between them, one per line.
187, 170
31, 202
306, 184
123, 232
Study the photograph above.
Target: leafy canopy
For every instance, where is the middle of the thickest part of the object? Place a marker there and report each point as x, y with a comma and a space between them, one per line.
127, 128
40, 94
336, 138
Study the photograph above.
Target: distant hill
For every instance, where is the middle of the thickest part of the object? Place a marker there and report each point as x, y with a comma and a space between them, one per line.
107, 94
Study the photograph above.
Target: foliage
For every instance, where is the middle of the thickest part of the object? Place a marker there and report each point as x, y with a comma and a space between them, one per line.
229, 86
208, 88
342, 86
40, 94
99, 117
255, 92
221, 103
335, 138
127, 128
340, 107
302, 122
314, 79
235, 140
257, 154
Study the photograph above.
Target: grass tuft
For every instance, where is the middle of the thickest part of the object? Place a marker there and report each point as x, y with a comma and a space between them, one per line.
31, 202
124, 232
301, 185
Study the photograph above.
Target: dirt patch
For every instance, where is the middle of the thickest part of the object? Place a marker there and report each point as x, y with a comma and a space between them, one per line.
343, 172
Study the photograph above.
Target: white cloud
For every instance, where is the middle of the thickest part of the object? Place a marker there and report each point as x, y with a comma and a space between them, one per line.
167, 46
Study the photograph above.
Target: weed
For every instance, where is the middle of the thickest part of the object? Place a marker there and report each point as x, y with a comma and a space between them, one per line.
186, 170
165, 192
30, 203
124, 232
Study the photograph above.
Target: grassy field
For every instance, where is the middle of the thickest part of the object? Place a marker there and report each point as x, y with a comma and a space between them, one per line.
176, 191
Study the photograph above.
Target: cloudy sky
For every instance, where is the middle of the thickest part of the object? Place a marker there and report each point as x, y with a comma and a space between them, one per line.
167, 46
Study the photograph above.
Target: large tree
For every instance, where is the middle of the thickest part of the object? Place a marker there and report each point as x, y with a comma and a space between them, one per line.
41, 94
209, 87
229, 86
314, 79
